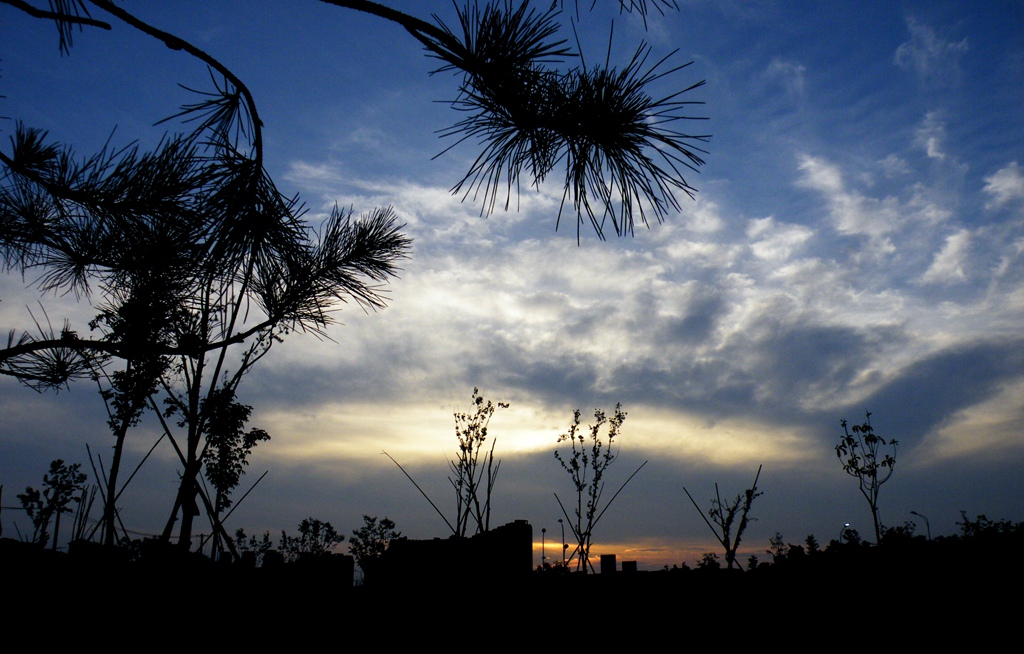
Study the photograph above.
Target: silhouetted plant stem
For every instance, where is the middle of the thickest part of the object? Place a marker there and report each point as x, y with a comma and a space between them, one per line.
724, 516
586, 465
245, 495
425, 496
467, 471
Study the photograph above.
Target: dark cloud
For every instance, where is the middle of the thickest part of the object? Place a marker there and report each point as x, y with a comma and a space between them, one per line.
697, 323
926, 395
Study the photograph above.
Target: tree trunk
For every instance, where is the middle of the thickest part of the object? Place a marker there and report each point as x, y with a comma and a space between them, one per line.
109, 509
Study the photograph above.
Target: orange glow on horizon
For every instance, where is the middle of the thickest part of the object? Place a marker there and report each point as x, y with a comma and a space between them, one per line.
650, 554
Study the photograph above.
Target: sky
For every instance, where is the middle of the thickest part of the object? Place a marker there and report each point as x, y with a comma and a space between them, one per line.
856, 244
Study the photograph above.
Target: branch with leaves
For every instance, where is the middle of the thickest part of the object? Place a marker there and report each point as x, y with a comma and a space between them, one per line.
623, 152
368, 543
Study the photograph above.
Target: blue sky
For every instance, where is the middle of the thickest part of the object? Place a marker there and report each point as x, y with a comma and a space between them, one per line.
857, 244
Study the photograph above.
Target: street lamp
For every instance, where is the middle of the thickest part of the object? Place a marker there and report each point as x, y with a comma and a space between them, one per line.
926, 523
543, 537
842, 531
564, 545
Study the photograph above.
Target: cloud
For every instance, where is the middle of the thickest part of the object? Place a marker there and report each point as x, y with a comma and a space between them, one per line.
934, 60
791, 74
1005, 186
852, 212
930, 136
729, 339
776, 242
702, 217
926, 399
948, 265
904, 228
894, 166
995, 426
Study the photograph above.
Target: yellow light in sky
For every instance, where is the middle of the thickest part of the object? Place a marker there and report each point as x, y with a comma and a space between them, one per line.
419, 432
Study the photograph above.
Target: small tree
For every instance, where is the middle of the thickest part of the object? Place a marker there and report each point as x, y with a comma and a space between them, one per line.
316, 539
724, 518
778, 547
369, 542
228, 446
61, 486
586, 464
982, 526
471, 476
862, 457
257, 547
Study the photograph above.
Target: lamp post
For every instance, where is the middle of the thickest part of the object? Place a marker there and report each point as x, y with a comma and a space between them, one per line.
846, 525
927, 525
564, 546
543, 538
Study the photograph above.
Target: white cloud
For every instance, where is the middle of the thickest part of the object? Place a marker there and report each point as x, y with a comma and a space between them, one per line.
702, 217
948, 265
925, 208
790, 73
307, 174
820, 175
1005, 185
931, 135
852, 212
776, 241
894, 166
934, 60
905, 222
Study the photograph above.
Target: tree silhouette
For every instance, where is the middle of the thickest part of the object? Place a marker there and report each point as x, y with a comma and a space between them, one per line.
193, 253
472, 479
316, 540
368, 543
586, 462
862, 457
724, 514
61, 486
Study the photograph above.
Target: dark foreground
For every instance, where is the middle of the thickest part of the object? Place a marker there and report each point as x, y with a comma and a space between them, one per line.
910, 593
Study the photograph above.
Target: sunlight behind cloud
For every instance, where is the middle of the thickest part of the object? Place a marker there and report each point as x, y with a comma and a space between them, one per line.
989, 429
730, 442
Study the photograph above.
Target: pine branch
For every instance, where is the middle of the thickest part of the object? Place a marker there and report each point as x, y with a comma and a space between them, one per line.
66, 15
